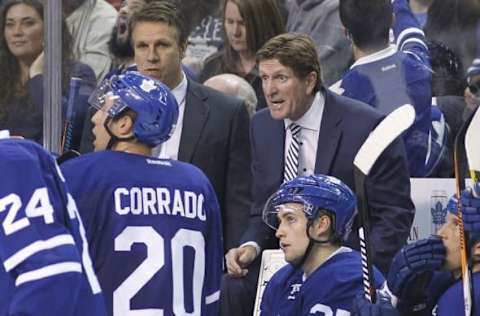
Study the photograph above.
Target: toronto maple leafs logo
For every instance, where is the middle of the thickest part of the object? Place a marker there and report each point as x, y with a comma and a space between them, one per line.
148, 85
438, 213
295, 288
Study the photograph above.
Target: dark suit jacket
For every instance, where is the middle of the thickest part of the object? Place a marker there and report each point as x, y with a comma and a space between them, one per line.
215, 138
345, 125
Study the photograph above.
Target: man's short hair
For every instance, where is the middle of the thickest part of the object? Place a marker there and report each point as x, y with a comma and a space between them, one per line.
162, 11
367, 22
294, 50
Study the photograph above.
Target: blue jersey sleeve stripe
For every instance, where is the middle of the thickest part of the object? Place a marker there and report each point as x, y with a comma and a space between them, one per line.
407, 32
35, 247
417, 40
212, 298
48, 271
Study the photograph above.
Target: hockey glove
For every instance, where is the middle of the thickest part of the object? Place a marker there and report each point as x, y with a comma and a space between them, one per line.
362, 307
471, 208
411, 271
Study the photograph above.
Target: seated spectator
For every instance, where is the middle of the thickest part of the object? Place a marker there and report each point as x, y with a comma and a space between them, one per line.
21, 74
90, 22
320, 20
385, 76
235, 86
248, 25
312, 217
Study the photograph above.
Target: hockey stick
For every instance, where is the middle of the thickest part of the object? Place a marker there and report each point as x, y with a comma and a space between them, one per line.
67, 139
468, 136
379, 139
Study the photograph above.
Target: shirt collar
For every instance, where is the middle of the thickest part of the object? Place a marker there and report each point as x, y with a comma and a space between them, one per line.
180, 91
381, 54
309, 120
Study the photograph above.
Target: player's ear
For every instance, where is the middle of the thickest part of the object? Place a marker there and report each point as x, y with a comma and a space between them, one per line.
320, 226
123, 126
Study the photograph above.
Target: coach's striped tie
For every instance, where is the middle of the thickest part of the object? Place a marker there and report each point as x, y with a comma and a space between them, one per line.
291, 161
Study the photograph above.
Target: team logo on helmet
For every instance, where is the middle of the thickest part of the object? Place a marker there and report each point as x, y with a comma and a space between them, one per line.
148, 85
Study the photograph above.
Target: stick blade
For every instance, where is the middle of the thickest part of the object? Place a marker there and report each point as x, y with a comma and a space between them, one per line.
472, 142
383, 135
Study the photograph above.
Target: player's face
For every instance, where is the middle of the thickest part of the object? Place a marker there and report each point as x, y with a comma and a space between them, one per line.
287, 95
157, 52
23, 31
450, 234
292, 231
235, 28
100, 134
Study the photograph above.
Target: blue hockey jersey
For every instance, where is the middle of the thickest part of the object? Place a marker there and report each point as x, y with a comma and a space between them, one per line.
451, 302
45, 265
394, 76
330, 289
154, 229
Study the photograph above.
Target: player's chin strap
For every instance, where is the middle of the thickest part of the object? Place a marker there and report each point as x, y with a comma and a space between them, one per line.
312, 241
113, 138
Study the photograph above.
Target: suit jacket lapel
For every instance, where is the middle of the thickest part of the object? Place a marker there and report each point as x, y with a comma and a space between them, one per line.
194, 119
277, 154
330, 133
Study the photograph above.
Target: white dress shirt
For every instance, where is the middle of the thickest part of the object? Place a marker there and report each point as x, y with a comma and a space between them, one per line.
308, 136
169, 149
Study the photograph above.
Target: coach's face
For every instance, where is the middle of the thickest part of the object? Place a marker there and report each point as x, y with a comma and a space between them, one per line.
292, 232
287, 95
158, 53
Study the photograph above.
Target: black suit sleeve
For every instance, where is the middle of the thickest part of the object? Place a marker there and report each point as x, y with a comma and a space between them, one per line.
391, 208
238, 179
265, 183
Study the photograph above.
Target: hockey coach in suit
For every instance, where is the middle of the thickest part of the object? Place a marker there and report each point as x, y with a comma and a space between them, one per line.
309, 130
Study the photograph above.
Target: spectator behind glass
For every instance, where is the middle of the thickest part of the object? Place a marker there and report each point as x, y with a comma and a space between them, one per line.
90, 22
206, 34
21, 73
235, 86
320, 19
248, 25
454, 23
119, 45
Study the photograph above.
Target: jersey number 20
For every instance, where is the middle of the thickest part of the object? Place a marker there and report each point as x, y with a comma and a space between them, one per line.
155, 260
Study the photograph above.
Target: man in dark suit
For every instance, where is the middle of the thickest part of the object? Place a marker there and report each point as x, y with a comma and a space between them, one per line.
212, 129
331, 130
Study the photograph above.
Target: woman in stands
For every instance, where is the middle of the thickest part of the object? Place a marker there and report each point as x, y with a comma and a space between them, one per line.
21, 74
248, 24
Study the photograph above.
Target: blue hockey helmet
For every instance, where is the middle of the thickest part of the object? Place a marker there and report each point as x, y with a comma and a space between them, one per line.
316, 193
155, 106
